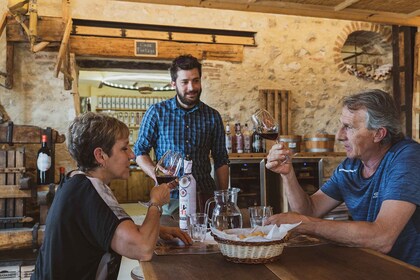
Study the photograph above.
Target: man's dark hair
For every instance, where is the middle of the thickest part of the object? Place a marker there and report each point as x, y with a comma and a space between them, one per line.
184, 62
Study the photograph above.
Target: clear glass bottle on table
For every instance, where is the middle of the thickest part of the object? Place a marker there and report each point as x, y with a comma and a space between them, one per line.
187, 194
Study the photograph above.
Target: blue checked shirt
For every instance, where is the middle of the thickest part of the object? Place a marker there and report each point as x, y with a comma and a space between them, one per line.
194, 133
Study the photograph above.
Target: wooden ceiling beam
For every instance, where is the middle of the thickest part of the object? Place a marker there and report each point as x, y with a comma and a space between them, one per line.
287, 8
345, 4
168, 50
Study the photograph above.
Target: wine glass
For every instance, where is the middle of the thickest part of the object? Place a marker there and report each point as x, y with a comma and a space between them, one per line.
267, 127
167, 168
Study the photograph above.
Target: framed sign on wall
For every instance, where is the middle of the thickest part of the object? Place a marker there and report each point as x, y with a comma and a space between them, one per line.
145, 48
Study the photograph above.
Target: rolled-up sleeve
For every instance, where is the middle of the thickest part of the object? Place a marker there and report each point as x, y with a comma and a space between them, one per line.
147, 136
218, 151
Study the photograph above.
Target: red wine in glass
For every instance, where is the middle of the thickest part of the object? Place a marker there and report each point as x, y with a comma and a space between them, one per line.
268, 135
165, 178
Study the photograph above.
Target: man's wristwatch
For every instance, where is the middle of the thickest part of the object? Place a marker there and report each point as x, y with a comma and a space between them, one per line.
157, 206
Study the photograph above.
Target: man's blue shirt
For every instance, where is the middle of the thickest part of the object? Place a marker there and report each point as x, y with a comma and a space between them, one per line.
194, 133
397, 178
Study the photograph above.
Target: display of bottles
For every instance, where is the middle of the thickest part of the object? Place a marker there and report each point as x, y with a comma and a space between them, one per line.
239, 139
187, 194
228, 137
43, 163
256, 142
247, 139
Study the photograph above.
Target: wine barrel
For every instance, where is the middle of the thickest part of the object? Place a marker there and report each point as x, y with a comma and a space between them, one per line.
293, 142
319, 143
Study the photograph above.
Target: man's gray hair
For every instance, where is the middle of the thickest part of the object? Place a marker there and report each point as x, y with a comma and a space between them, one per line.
381, 112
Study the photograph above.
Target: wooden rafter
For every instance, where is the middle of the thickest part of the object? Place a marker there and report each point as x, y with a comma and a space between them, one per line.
63, 47
3, 22
345, 4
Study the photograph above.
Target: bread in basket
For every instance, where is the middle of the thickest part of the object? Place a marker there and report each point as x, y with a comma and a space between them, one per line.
242, 246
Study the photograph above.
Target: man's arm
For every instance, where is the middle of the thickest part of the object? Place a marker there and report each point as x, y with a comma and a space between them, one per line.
379, 235
147, 165
222, 174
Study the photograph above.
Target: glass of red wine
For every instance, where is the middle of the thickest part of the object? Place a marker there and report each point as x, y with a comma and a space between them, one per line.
267, 127
167, 168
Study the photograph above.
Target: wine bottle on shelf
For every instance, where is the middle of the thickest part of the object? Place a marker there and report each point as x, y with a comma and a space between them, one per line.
239, 139
247, 139
228, 139
256, 142
43, 163
187, 194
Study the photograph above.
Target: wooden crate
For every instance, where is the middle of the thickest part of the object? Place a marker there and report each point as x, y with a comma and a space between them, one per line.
12, 168
278, 103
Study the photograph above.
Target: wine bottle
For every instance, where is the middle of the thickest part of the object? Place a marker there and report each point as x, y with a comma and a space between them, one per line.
256, 142
187, 195
43, 163
228, 139
247, 139
239, 139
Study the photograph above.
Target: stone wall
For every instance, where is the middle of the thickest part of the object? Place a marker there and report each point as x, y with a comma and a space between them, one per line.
292, 53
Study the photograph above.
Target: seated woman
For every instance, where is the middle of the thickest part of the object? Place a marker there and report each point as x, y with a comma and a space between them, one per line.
87, 231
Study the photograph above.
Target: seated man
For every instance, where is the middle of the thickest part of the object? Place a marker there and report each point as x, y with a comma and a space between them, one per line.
379, 181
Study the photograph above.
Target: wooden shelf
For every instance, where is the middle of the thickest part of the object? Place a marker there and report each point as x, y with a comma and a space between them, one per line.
298, 155
120, 110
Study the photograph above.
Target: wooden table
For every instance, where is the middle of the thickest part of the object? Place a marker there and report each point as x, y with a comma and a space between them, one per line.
313, 262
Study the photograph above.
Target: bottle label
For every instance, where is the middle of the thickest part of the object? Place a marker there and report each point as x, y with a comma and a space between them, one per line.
43, 162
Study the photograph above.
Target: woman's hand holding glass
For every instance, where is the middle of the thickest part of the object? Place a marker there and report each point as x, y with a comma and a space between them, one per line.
167, 168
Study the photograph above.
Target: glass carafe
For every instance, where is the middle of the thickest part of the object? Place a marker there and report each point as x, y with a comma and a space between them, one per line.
226, 213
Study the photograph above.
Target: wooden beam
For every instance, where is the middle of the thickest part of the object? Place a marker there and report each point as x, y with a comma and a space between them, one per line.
75, 86
40, 46
10, 53
67, 69
50, 29
345, 4
66, 10
28, 134
19, 238
13, 191
117, 47
3, 23
296, 9
63, 47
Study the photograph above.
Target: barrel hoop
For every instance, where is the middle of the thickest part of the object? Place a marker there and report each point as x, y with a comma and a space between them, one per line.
319, 139
319, 150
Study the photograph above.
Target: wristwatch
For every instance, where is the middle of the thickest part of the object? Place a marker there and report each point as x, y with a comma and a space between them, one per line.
157, 206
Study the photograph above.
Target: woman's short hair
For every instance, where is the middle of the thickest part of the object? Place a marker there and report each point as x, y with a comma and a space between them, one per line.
381, 112
184, 62
90, 131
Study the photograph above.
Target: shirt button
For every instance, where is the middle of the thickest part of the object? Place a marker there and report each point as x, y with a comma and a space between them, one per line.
187, 141
187, 126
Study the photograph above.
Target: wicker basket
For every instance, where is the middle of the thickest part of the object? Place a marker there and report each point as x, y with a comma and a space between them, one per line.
250, 252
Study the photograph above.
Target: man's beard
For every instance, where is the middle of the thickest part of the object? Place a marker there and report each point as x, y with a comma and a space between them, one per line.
187, 101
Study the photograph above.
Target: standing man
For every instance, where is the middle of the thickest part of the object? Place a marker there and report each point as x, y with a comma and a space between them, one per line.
186, 125
379, 181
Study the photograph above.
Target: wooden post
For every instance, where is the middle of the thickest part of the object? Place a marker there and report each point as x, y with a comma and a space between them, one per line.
3, 22
63, 47
75, 87
9, 65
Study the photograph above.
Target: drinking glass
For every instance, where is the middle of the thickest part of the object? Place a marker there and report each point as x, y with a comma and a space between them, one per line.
259, 214
267, 127
198, 226
167, 168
